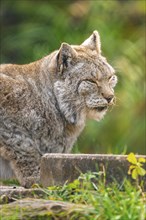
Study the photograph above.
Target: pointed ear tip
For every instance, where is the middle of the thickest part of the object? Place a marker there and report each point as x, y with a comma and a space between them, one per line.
64, 44
96, 33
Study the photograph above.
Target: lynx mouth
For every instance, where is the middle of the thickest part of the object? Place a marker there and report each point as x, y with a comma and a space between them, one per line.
101, 108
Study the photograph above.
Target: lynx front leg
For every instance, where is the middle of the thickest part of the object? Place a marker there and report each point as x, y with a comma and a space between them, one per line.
23, 165
27, 169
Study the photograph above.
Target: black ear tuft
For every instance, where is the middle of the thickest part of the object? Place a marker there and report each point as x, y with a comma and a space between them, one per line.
64, 59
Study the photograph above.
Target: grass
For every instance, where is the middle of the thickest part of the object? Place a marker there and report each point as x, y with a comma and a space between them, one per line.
90, 196
9, 182
100, 201
126, 202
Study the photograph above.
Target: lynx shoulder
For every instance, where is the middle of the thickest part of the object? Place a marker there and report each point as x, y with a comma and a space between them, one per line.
44, 105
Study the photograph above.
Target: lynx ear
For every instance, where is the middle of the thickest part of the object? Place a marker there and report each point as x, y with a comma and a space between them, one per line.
93, 42
65, 56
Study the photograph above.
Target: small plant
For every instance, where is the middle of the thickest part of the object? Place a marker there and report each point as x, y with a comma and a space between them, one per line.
136, 169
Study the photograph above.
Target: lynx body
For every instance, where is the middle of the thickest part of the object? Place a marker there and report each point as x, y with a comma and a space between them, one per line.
44, 105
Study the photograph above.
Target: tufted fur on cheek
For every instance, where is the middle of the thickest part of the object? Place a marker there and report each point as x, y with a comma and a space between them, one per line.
86, 87
92, 94
67, 99
69, 104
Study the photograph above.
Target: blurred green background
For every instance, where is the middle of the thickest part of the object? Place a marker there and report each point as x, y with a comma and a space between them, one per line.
31, 29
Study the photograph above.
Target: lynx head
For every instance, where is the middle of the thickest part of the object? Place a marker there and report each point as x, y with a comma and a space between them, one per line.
85, 81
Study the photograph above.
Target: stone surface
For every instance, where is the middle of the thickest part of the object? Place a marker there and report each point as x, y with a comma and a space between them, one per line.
18, 190
37, 209
12, 193
56, 169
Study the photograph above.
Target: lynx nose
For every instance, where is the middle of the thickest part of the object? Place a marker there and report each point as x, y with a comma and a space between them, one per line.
109, 98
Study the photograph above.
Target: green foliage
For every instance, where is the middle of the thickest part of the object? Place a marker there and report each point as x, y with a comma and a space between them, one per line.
136, 170
9, 182
32, 29
107, 202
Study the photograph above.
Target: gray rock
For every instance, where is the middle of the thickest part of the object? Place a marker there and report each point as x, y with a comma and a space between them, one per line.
56, 169
12, 193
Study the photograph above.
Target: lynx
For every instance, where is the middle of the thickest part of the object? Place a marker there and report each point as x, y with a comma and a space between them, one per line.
44, 105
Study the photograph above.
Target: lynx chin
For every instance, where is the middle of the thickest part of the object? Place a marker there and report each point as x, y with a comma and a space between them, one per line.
44, 105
